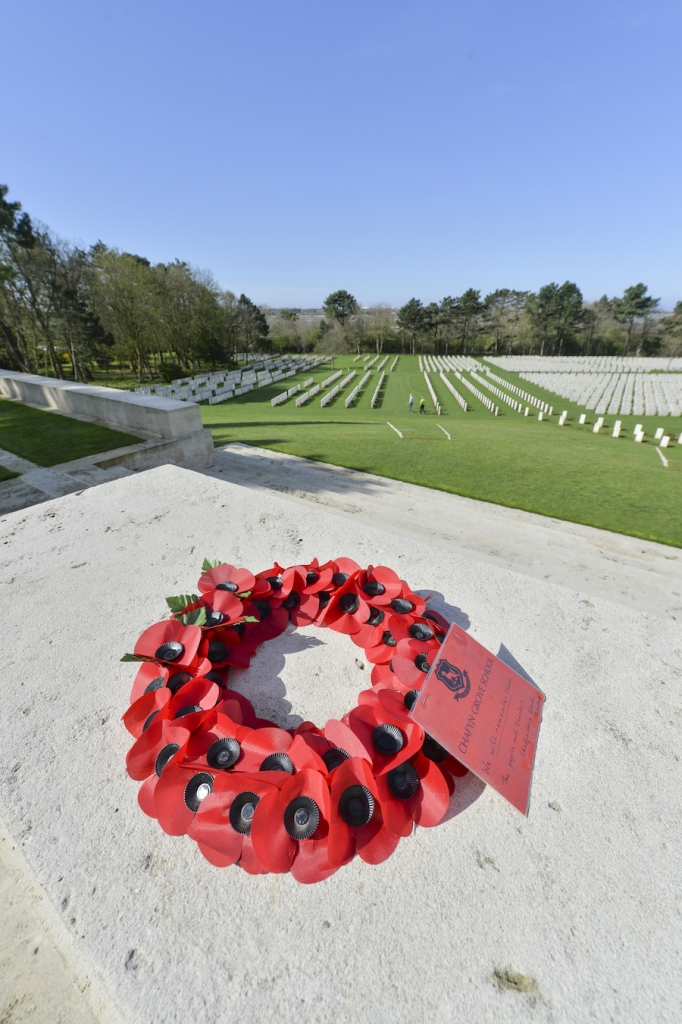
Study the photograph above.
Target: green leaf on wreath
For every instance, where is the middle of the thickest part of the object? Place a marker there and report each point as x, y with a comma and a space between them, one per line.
210, 563
134, 657
179, 603
249, 618
193, 618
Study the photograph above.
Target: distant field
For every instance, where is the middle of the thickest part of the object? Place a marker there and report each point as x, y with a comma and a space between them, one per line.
564, 472
48, 438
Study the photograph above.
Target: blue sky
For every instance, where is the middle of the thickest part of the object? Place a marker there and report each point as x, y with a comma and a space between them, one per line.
390, 148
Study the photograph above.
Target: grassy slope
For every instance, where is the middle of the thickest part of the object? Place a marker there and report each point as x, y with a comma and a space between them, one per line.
568, 472
49, 438
6, 474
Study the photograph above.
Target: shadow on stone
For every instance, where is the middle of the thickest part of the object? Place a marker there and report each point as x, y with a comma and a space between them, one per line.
508, 658
450, 612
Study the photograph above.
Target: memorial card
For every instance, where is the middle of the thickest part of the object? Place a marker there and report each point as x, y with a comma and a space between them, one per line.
484, 713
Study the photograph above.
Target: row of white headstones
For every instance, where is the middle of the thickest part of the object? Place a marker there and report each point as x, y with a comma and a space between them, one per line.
224, 385
314, 389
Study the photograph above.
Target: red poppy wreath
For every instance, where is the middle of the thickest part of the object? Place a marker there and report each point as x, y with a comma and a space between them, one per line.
272, 799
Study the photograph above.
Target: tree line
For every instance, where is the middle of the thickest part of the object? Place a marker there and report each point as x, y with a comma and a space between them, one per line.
555, 320
98, 312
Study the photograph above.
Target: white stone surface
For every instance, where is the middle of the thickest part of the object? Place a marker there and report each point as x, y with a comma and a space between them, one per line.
583, 897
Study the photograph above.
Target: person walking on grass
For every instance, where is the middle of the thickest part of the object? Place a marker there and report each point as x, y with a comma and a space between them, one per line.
411, 403
422, 406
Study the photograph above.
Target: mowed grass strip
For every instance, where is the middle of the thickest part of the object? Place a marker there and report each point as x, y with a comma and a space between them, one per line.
563, 472
6, 474
49, 438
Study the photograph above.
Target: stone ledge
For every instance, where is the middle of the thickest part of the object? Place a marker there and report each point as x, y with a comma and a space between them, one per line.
141, 415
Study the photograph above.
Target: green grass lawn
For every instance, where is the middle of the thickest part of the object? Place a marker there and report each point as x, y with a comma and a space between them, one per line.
6, 474
564, 472
49, 438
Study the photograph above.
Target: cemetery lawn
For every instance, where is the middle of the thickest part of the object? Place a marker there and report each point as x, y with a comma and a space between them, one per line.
6, 474
563, 472
49, 438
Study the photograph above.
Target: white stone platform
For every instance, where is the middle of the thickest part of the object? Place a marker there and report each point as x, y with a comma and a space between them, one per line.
583, 898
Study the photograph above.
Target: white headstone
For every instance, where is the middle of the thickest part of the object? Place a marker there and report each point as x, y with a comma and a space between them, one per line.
659, 434
583, 417
540, 415
665, 441
616, 429
526, 412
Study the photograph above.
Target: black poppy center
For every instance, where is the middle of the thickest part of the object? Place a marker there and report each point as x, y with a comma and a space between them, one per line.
177, 680
276, 582
278, 762
301, 818
164, 756
292, 601
223, 753
242, 810
433, 750
339, 578
215, 677
387, 739
239, 628
155, 684
170, 651
214, 618
197, 789
373, 588
349, 603
217, 651
229, 585
263, 607
324, 598
334, 757
420, 631
401, 606
356, 806
149, 720
409, 699
189, 710
403, 781
388, 639
376, 617
422, 663
311, 577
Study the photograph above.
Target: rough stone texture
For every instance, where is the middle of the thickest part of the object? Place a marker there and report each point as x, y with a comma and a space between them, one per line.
637, 573
571, 915
141, 415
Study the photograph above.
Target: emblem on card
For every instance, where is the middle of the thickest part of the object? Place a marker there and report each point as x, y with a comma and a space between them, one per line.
454, 678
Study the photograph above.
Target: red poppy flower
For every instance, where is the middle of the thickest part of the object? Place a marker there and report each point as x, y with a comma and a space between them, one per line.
227, 578
274, 749
166, 738
222, 825
278, 587
407, 605
380, 585
227, 646
150, 676
217, 744
290, 828
222, 608
356, 823
169, 642
272, 619
348, 610
414, 791
388, 639
387, 739
412, 660
140, 715
302, 601
178, 795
